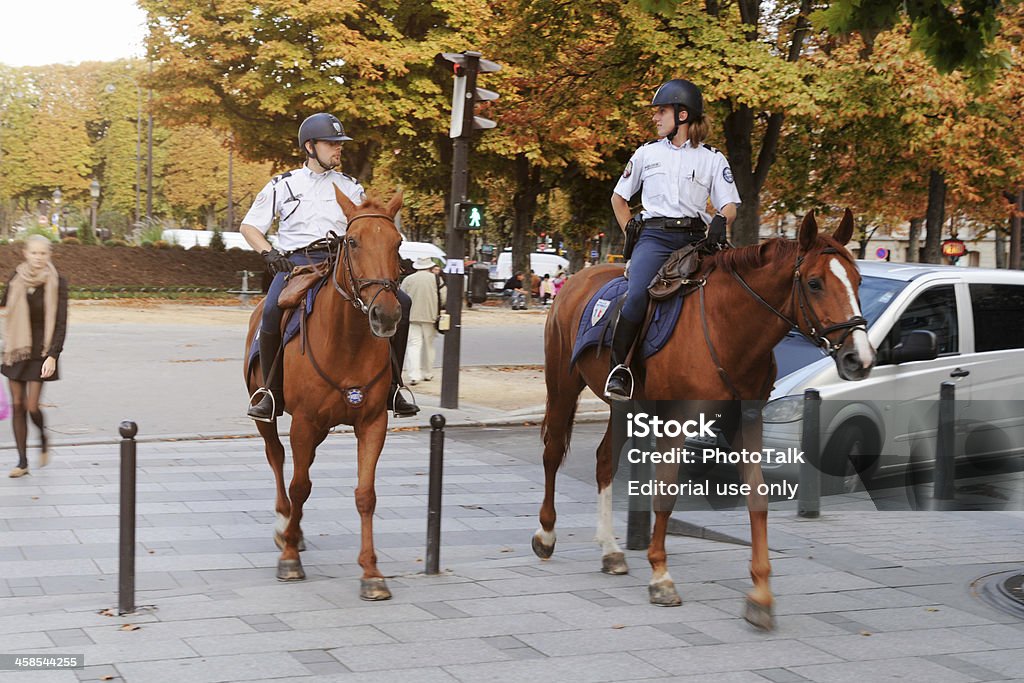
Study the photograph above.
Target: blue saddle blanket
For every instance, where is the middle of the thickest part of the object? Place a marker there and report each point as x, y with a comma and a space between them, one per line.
597, 322
291, 330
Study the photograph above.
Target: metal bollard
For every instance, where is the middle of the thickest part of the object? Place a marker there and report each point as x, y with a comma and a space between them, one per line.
809, 498
126, 567
945, 468
434, 495
638, 519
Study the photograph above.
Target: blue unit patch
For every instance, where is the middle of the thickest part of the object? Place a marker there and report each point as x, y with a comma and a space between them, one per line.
354, 396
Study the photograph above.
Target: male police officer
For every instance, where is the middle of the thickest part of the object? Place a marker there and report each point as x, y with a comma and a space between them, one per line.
304, 202
678, 174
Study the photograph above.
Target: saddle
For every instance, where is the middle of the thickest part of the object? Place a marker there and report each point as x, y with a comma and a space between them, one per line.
300, 280
674, 276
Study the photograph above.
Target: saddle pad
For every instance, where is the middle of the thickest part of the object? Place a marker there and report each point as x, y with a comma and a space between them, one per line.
599, 314
290, 331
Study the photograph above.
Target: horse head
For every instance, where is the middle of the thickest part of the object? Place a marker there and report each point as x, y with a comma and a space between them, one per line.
826, 303
368, 264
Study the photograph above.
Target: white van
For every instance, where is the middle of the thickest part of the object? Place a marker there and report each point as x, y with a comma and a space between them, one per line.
930, 324
542, 263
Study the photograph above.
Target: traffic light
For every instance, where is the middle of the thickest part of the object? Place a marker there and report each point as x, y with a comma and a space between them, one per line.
466, 65
470, 216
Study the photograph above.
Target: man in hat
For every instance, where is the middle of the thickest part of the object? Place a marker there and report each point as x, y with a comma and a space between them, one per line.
427, 292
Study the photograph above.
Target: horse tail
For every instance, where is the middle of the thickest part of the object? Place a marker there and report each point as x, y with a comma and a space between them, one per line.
564, 385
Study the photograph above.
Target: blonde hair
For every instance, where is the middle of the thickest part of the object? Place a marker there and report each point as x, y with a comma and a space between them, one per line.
39, 238
698, 131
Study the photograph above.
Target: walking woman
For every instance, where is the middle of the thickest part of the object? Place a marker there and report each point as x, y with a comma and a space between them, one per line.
36, 301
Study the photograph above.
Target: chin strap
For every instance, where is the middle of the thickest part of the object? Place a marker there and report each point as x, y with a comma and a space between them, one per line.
317, 158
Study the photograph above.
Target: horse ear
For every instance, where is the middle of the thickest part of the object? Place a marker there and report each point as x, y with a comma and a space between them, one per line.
347, 207
845, 230
394, 205
808, 231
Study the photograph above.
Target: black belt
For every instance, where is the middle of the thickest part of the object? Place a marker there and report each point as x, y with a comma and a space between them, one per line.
682, 224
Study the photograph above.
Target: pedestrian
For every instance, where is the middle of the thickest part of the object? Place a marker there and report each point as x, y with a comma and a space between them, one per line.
534, 285
514, 291
547, 290
36, 306
557, 282
427, 292
679, 174
303, 201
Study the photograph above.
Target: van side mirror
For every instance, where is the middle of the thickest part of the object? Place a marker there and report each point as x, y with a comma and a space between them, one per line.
919, 345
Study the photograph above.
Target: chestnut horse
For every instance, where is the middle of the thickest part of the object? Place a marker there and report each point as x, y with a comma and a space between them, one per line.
341, 376
720, 350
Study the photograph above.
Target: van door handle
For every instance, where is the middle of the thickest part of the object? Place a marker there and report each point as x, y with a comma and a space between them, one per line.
959, 372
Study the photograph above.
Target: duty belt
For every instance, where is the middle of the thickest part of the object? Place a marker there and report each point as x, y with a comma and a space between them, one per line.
682, 224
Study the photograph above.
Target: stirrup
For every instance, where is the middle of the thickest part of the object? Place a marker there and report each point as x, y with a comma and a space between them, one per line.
259, 394
411, 402
629, 374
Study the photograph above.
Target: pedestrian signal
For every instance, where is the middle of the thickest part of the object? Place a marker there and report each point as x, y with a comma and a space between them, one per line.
471, 216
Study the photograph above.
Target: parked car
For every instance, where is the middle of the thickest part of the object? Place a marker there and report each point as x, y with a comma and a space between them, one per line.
542, 263
930, 324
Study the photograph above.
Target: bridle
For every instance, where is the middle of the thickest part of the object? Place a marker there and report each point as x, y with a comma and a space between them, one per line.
350, 287
816, 333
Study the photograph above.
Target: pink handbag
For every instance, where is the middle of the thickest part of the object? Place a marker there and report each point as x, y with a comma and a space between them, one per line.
5, 405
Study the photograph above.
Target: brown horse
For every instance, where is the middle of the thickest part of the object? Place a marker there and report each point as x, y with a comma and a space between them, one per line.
341, 376
753, 296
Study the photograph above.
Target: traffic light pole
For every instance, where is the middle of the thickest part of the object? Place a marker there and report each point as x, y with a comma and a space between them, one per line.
456, 244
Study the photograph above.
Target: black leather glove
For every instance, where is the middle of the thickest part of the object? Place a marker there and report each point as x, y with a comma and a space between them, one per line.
717, 231
277, 262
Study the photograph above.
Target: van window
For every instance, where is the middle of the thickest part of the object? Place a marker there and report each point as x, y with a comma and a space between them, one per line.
933, 310
998, 316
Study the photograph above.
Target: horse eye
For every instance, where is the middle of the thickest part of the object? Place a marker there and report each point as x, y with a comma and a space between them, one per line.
814, 285
352, 242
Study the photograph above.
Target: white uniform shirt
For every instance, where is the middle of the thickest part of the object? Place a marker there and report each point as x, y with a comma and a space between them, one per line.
678, 181
306, 205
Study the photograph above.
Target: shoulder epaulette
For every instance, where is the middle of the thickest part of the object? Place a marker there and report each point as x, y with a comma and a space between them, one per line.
651, 142
282, 176
713, 149
346, 175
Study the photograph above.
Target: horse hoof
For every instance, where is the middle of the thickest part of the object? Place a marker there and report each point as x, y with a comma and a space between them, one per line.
615, 564
664, 594
540, 550
759, 616
279, 541
374, 589
290, 570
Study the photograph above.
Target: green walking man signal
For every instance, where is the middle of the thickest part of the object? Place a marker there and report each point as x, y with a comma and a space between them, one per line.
471, 216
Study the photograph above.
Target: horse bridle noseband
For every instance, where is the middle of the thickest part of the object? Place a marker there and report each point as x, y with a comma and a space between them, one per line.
816, 334
358, 284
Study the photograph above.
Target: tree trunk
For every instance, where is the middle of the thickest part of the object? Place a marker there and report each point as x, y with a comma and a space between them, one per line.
739, 127
999, 244
524, 208
914, 240
934, 218
1015, 232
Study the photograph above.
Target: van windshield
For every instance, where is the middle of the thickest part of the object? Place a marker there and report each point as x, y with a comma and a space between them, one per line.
875, 295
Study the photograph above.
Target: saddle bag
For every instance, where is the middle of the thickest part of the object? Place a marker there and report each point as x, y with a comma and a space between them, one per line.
299, 281
675, 273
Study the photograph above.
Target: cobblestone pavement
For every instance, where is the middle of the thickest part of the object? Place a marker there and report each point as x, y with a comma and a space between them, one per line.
861, 596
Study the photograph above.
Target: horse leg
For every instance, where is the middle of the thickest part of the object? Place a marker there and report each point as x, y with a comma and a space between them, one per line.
275, 456
370, 438
662, 589
563, 393
759, 603
613, 560
304, 437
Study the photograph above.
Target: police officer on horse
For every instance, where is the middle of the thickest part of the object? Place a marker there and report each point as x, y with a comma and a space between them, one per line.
303, 201
678, 174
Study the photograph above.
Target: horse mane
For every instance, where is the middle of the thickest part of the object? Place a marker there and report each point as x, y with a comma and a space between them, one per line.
772, 251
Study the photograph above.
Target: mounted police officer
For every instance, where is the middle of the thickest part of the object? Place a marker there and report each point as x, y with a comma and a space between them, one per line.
678, 174
303, 201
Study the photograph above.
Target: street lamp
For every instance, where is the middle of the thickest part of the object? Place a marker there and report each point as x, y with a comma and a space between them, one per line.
94, 192
57, 197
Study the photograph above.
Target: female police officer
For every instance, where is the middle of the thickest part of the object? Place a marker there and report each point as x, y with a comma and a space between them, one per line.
678, 175
304, 202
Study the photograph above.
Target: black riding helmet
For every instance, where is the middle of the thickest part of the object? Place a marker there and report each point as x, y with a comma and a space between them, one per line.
679, 93
322, 126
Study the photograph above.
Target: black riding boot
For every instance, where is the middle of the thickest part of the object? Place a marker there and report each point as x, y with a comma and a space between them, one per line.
399, 341
271, 404
619, 386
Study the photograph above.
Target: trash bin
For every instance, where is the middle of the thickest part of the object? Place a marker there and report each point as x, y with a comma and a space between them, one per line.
479, 281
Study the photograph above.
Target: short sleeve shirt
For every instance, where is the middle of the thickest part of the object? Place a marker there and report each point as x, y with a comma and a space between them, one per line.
304, 202
677, 182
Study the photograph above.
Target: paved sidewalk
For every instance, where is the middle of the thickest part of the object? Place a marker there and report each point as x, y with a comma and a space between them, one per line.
862, 596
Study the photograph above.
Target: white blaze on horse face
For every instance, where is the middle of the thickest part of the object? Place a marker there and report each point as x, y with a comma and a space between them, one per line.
860, 337
605, 532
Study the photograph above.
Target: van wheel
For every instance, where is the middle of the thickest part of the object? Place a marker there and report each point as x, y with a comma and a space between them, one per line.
849, 460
